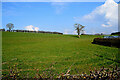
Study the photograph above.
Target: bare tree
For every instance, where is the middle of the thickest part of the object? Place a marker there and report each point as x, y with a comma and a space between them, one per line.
10, 26
79, 28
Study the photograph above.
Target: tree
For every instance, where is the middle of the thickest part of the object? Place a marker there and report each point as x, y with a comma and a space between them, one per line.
79, 28
10, 26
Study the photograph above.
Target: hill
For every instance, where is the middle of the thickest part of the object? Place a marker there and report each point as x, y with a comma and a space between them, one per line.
32, 51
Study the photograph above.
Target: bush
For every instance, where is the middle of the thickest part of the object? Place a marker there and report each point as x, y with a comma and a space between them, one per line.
107, 41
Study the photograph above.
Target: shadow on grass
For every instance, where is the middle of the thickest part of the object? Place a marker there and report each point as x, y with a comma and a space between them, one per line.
118, 61
107, 44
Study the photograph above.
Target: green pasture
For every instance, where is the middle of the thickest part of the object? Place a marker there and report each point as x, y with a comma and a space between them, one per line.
31, 51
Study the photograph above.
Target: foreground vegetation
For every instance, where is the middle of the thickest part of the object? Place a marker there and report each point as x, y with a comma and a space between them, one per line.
59, 53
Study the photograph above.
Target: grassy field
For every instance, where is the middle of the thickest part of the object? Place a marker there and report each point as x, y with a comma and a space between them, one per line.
59, 52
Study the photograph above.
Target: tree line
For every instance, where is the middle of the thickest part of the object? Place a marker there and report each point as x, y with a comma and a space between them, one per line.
78, 28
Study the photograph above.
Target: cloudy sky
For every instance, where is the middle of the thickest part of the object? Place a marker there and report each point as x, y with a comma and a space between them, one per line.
97, 17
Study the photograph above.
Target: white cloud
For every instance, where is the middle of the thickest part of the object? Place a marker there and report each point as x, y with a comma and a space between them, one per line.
114, 31
31, 28
74, 32
59, 6
66, 31
102, 16
36, 28
106, 25
69, 31
108, 11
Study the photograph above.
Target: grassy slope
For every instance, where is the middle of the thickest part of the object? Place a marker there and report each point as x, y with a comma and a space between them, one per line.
34, 50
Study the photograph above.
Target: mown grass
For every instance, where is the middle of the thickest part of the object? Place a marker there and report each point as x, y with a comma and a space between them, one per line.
38, 51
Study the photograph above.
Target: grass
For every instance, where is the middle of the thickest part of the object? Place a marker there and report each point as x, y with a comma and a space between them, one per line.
38, 51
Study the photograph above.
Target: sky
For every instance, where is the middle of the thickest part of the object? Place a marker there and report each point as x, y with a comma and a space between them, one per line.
97, 17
